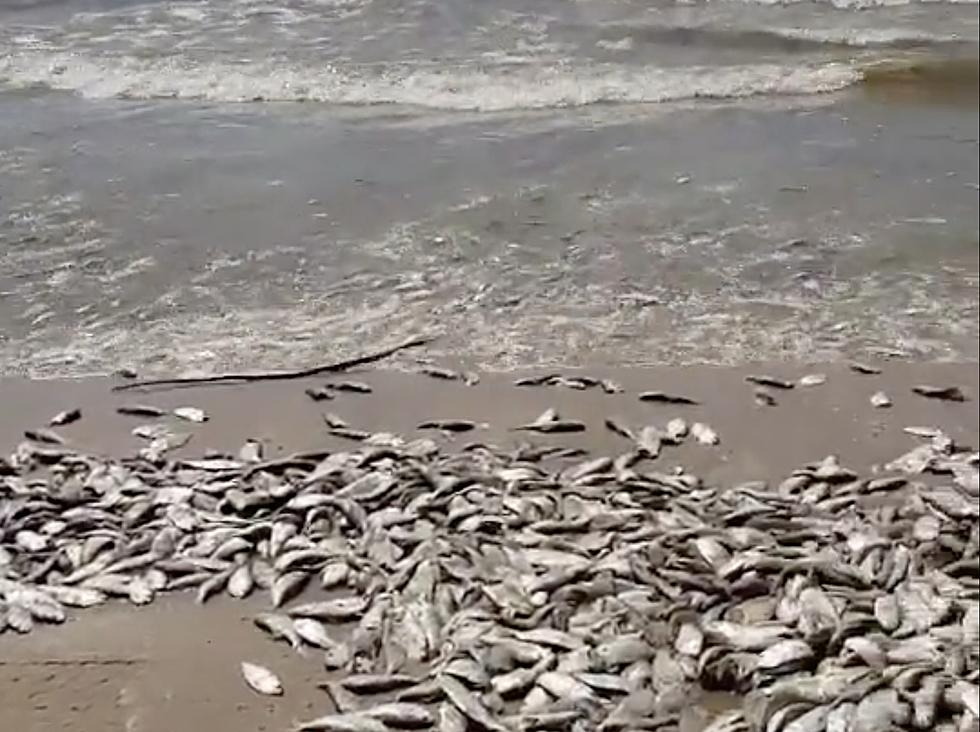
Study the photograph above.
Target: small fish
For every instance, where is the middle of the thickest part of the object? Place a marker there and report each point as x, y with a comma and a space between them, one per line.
945, 393
648, 442
313, 632
251, 452
339, 609
48, 437
448, 425
766, 380
261, 679
704, 434
350, 434
812, 380
376, 683
140, 410
440, 373
355, 387
614, 425
318, 393
662, 397
557, 427
334, 421
676, 430
350, 722
764, 398
66, 417
469, 704
126, 373
279, 627
537, 380
402, 715
880, 400
863, 368
287, 587
240, 583
610, 387
191, 414
31, 541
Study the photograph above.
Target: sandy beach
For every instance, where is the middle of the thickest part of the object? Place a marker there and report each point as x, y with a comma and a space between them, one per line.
175, 664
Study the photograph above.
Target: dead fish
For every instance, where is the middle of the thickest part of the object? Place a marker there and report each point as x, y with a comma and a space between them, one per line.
350, 722
665, 398
355, 387
766, 380
450, 719
648, 442
46, 436
676, 430
376, 683
240, 583
80, 597
745, 637
337, 610
614, 425
880, 400
66, 417
191, 414
140, 410
279, 627
622, 651
764, 398
334, 421
467, 702
537, 380
250, 452
318, 393
812, 380
30, 541
549, 423
689, 641
448, 425
786, 656
704, 434
945, 393
440, 373
402, 715
261, 679
350, 434
313, 633
287, 586
863, 368
139, 592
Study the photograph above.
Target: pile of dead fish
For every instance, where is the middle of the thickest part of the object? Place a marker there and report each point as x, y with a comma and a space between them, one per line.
518, 590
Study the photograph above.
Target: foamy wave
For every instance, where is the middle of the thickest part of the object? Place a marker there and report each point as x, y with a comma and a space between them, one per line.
503, 88
865, 38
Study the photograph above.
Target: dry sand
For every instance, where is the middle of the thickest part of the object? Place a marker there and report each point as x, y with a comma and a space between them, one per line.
174, 665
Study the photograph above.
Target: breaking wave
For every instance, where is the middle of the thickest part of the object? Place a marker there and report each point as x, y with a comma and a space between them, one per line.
480, 89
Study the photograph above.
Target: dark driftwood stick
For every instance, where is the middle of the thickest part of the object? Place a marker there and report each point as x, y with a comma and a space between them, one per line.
280, 375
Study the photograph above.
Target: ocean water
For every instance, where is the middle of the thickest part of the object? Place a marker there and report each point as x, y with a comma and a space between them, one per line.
197, 186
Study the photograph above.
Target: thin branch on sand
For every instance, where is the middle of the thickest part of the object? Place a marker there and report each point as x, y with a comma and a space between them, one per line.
330, 368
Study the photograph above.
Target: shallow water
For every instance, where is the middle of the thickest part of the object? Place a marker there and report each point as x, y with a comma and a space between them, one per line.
539, 183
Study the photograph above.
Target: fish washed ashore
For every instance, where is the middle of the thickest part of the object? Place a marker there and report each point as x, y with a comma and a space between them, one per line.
461, 575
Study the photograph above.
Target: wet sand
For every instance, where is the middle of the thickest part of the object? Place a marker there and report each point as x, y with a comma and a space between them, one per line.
174, 665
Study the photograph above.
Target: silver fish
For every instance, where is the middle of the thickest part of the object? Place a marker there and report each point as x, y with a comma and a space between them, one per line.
261, 679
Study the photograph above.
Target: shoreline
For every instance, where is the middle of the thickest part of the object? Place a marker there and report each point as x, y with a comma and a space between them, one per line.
757, 442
